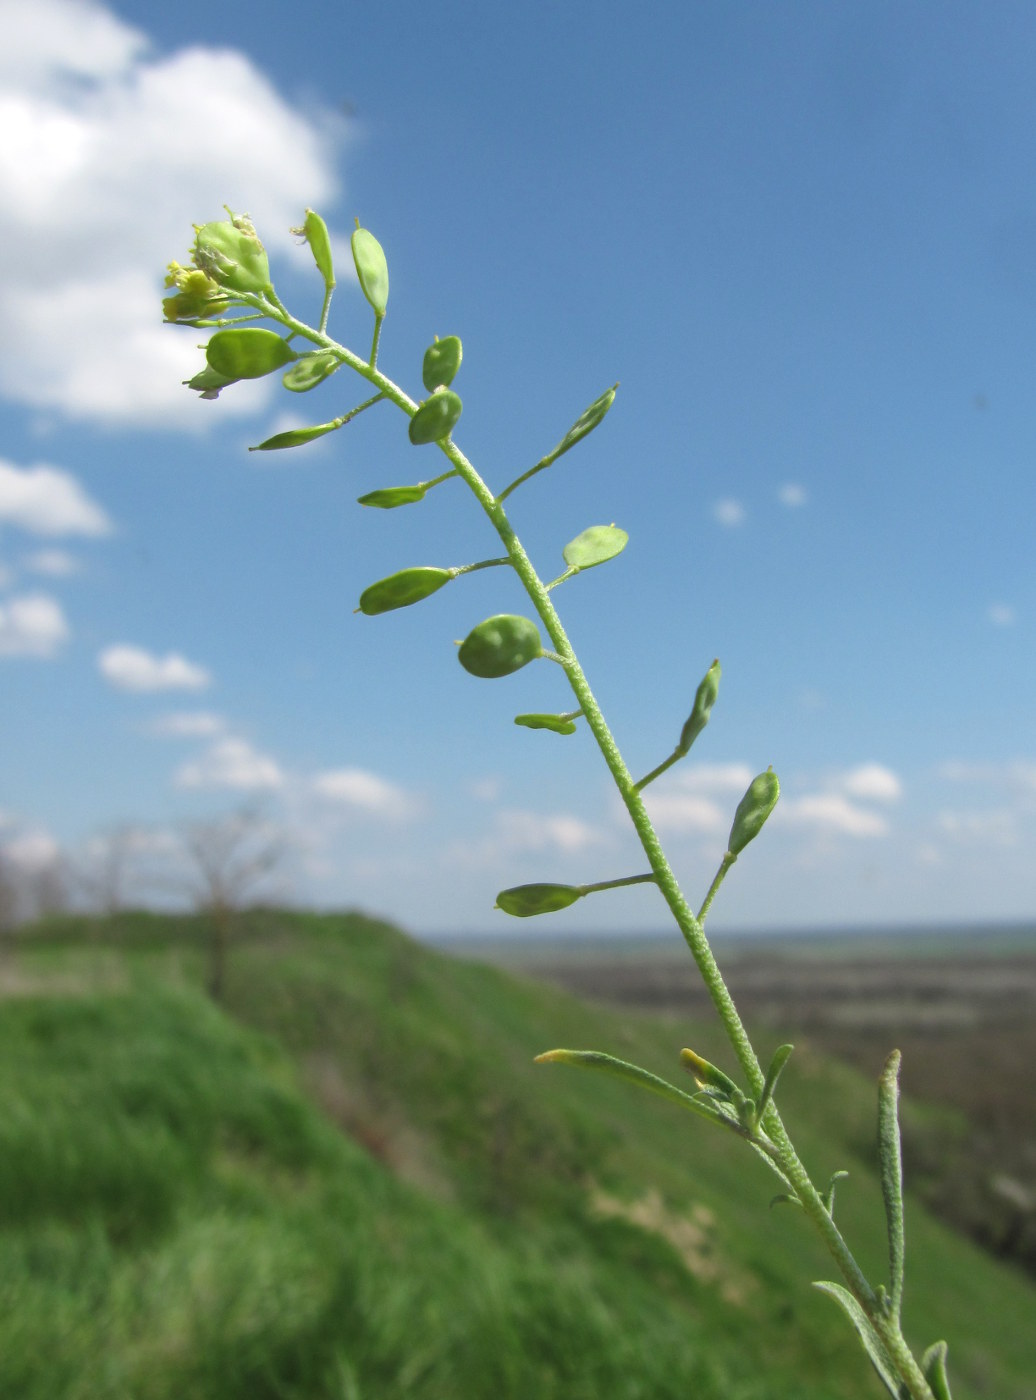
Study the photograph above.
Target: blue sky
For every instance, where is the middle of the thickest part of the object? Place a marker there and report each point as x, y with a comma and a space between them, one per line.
802, 237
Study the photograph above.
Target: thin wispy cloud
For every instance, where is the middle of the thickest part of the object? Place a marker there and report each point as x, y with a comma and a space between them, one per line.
729, 512
793, 495
189, 724
1001, 614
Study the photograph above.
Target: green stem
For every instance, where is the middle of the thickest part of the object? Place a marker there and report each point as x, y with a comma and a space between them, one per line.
674, 757
616, 884
661, 872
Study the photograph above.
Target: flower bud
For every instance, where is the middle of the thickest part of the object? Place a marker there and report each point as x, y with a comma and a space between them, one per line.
197, 297
230, 253
441, 362
525, 900
436, 418
248, 353
752, 811
371, 268
401, 589
499, 646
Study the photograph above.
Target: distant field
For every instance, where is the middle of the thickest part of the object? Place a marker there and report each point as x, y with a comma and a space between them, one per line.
960, 1003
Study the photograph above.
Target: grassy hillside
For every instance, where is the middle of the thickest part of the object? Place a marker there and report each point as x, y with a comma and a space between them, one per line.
351, 1182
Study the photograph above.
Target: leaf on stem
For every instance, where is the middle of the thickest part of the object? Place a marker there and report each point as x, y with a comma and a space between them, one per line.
829, 1194
890, 1156
621, 1069
872, 1343
933, 1364
780, 1058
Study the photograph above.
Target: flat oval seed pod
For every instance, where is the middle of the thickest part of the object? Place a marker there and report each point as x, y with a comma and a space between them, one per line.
557, 723
295, 437
499, 646
753, 809
401, 589
230, 253
249, 353
586, 422
314, 230
436, 418
371, 269
441, 362
595, 545
525, 900
389, 497
704, 699
310, 370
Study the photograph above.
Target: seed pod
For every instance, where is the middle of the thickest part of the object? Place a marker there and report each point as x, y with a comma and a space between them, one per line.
499, 646
314, 231
310, 370
436, 418
295, 437
704, 699
249, 353
586, 422
595, 546
230, 253
208, 383
752, 811
525, 900
560, 724
371, 268
389, 497
401, 589
441, 362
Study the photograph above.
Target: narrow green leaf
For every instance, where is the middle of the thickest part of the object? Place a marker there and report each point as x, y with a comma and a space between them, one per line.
441, 363
499, 646
560, 724
829, 1194
780, 1058
933, 1364
890, 1157
525, 901
633, 1074
389, 497
249, 353
872, 1343
595, 545
402, 589
785, 1200
706, 1073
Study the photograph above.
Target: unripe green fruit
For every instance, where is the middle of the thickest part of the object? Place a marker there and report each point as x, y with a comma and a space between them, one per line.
499, 646
248, 353
436, 418
401, 589
523, 901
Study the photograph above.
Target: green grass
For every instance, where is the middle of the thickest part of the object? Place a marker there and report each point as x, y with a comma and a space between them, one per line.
351, 1182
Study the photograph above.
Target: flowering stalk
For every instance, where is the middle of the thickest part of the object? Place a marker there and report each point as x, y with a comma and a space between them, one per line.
229, 272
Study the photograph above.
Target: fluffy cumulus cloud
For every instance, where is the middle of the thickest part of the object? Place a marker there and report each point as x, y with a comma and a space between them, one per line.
699, 799
132, 668
47, 501
832, 812
111, 150
55, 563
31, 851
231, 763
365, 792
31, 625
873, 782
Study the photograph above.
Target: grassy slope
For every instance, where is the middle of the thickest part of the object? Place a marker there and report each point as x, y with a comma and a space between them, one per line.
355, 1184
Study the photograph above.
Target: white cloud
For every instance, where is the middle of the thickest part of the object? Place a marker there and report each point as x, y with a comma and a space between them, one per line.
111, 151
683, 801
1001, 614
31, 625
993, 827
791, 494
32, 851
729, 512
1017, 777
685, 811
47, 501
872, 781
56, 563
832, 812
539, 831
132, 668
231, 763
365, 792
192, 724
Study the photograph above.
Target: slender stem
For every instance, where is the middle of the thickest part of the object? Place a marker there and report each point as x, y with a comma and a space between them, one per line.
721, 874
329, 291
482, 564
616, 884
376, 341
674, 757
661, 873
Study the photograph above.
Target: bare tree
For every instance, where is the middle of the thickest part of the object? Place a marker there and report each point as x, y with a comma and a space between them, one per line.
232, 858
108, 870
